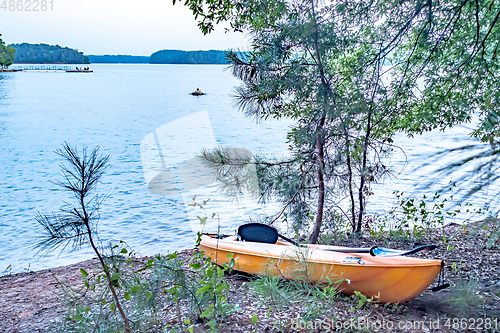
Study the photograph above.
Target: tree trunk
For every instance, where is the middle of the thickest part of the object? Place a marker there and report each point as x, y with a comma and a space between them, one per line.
321, 189
110, 284
351, 193
319, 140
363, 166
103, 264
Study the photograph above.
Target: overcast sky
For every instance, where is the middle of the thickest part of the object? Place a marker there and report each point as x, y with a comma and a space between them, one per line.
138, 27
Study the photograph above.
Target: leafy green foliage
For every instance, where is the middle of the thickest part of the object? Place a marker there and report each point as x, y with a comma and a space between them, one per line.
416, 219
145, 286
448, 51
218, 10
98, 309
362, 299
6, 54
307, 65
48, 54
490, 228
310, 301
203, 283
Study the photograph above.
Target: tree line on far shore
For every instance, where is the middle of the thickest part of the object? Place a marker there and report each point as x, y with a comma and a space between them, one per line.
47, 54
165, 57
188, 57
26, 53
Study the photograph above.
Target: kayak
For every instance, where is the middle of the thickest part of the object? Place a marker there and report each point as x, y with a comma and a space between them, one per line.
197, 93
388, 279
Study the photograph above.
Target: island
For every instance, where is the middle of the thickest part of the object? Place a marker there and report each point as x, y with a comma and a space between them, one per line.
188, 57
47, 54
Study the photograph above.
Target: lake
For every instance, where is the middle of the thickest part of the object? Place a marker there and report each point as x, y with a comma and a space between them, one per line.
144, 118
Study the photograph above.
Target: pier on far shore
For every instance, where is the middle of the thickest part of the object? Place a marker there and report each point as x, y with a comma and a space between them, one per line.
46, 68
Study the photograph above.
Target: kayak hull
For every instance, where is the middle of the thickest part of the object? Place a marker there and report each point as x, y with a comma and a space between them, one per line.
389, 279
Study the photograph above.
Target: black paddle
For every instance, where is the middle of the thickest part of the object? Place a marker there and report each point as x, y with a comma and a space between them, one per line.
262, 233
377, 251
384, 252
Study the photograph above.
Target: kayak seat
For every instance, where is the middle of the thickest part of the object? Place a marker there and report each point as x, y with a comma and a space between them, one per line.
257, 232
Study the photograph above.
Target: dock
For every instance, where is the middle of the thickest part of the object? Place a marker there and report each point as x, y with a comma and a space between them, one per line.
46, 68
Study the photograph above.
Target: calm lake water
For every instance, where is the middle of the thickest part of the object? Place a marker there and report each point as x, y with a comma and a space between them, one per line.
118, 107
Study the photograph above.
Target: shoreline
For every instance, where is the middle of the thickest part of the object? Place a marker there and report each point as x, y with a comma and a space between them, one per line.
32, 301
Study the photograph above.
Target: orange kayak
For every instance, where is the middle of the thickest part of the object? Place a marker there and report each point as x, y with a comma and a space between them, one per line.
395, 279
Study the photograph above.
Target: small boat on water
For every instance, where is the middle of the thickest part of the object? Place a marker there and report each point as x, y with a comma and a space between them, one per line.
389, 279
197, 92
79, 71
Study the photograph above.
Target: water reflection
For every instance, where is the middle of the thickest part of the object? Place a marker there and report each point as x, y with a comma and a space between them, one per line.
5, 80
115, 107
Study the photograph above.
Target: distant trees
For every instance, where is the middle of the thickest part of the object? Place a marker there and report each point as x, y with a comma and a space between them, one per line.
188, 57
48, 54
164, 57
118, 59
54, 54
6, 54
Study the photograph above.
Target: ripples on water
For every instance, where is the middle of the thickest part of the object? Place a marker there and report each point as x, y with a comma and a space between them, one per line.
116, 107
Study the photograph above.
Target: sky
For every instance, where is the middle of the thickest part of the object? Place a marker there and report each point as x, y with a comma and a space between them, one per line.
138, 27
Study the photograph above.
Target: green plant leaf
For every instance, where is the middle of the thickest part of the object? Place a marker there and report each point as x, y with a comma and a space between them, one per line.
84, 273
77, 317
207, 312
135, 289
204, 289
202, 220
220, 272
212, 324
219, 289
254, 319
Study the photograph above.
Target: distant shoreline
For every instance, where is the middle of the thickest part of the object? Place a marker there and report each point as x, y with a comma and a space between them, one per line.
27, 53
173, 57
